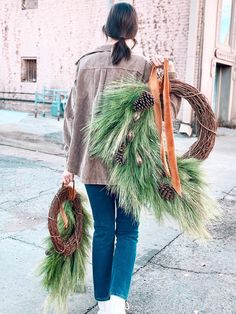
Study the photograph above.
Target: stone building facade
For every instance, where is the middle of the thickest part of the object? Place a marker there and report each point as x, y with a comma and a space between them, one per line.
41, 40
218, 70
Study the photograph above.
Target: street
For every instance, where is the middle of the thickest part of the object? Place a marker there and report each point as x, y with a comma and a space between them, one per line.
174, 273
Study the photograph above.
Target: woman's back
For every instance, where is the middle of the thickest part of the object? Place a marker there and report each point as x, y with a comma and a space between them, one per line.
95, 70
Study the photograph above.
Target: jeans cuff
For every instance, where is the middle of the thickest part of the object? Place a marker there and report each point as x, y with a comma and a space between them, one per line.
102, 299
119, 295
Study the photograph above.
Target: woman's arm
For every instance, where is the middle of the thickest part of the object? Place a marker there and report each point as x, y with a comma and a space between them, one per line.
67, 132
68, 121
76, 117
175, 100
69, 116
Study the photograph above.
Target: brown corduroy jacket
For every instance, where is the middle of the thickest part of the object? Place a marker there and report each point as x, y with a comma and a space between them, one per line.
94, 71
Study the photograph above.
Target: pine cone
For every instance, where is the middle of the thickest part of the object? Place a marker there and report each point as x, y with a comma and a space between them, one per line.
167, 192
119, 155
145, 101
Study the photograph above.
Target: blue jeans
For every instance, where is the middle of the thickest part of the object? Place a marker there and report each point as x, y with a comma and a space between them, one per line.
112, 264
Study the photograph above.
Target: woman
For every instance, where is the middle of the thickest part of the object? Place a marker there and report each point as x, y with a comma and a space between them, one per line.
112, 263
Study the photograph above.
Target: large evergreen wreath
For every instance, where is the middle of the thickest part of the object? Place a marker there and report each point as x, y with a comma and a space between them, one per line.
124, 136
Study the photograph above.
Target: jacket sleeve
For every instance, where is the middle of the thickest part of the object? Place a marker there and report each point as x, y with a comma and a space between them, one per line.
175, 100
76, 116
68, 121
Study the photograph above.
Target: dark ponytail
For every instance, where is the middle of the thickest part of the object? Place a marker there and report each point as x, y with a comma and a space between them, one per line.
120, 51
122, 24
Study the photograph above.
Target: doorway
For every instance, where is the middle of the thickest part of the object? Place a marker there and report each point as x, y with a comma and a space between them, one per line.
221, 95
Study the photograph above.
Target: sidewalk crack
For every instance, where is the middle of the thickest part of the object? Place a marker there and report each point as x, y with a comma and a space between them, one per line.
25, 242
47, 192
90, 308
194, 271
227, 193
162, 249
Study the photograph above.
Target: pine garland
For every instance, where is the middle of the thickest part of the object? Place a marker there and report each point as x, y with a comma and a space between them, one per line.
64, 275
137, 181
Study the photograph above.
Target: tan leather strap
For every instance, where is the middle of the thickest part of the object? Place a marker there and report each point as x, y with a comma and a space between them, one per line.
157, 87
64, 217
169, 132
72, 195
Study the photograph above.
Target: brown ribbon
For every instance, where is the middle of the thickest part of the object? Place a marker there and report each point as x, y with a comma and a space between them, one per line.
158, 86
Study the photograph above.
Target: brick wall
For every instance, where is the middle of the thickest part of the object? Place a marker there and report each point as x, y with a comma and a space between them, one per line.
59, 31
164, 29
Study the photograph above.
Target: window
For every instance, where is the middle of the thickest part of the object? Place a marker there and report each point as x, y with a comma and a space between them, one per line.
225, 21
29, 4
28, 70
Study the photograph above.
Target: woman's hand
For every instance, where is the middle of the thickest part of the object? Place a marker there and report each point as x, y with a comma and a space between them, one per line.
158, 60
67, 177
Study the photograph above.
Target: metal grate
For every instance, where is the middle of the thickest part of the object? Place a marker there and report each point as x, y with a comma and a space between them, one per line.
29, 70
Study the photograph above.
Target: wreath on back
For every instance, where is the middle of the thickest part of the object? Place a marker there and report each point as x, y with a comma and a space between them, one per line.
128, 135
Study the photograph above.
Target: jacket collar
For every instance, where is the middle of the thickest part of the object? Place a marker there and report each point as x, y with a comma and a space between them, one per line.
103, 48
106, 47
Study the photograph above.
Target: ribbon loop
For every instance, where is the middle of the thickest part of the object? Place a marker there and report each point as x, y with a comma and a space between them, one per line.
158, 87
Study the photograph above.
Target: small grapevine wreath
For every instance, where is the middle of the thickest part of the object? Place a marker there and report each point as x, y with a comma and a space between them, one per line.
132, 135
67, 248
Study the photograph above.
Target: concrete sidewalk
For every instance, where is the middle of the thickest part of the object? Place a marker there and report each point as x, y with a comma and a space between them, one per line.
173, 273
23, 130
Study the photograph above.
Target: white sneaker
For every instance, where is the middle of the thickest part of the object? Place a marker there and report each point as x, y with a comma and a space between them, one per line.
104, 307
117, 305
129, 309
